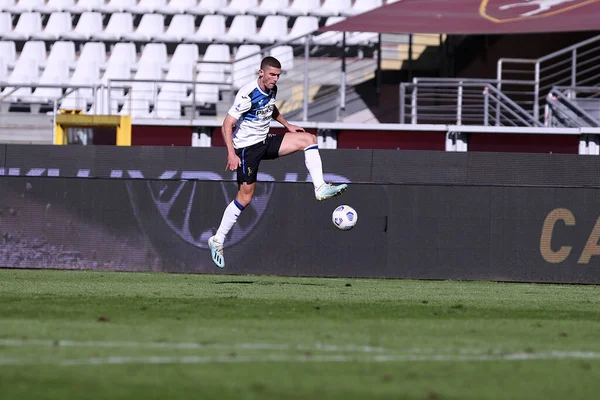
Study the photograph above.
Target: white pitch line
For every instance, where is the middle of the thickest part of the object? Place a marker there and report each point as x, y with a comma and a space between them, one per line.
184, 345
116, 360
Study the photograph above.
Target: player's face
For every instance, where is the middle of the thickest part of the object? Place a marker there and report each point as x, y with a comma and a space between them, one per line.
269, 77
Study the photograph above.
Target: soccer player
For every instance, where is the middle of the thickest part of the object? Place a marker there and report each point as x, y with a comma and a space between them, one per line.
250, 142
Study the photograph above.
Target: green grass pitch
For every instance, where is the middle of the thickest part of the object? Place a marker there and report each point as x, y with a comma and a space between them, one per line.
101, 335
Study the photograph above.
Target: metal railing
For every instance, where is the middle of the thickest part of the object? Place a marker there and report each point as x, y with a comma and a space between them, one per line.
576, 65
460, 102
317, 68
573, 107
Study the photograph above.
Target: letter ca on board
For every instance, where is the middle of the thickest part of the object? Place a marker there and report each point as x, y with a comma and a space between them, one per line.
592, 248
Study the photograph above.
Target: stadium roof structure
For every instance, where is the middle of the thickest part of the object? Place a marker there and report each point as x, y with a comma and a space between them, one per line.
476, 17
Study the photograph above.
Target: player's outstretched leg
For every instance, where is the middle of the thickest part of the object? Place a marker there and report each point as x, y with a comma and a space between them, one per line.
230, 216
216, 252
323, 191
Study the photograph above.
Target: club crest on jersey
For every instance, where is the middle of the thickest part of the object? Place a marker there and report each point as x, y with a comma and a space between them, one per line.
513, 10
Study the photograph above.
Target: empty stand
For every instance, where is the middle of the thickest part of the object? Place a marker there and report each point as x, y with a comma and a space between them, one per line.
246, 64
58, 24
151, 26
237, 7
273, 29
29, 23
211, 28
89, 24
182, 26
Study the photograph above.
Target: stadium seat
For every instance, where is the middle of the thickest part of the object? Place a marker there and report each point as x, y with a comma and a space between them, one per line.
84, 5
5, 23
6, 4
150, 26
28, 24
56, 72
89, 23
8, 53
93, 52
168, 103
269, 7
245, 65
152, 53
23, 6
303, 26
237, 7
181, 26
273, 28
53, 6
362, 6
301, 7
115, 6
212, 72
176, 7
205, 7
58, 23
285, 55
331, 8
86, 73
330, 38
62, 50
26, 71
122, 53
211, 27
146, 6
142, 94
243, 28
119, 24
3, 69
185, 54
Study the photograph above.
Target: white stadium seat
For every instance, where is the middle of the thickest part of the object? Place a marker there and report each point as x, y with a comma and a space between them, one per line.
58, 23
302, 26
23, 6
119, 24
207, 7
5, 23
185, 54
273, 28
3, 69
168, 103
285, 55
32, 50
141, 94
85, 5
26, 74
93, 52
115, 6
269, 7
8, 52
146, 6
211, 72
362, 6
211, 27
332, 8
243, 28
181, 26
176, 7
5, 4
28, 24
53, 6
55, 73
150, 26
86, 73
301, 7
330, 38
89, 23
153, 53
246, 64
122, 53
62, 50
237, 7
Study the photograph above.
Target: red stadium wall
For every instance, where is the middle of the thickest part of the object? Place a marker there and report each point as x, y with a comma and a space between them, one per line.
524, 143
143, 135
349, 139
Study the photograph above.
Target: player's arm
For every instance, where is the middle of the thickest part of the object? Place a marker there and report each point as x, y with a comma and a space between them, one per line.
277, 116
233, 161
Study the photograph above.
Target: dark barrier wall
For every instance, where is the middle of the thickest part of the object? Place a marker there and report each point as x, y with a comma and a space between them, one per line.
431, 215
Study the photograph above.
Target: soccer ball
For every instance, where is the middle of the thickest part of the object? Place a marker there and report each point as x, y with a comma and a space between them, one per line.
344, 217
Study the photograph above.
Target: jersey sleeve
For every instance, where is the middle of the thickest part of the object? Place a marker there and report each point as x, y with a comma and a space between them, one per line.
241, 105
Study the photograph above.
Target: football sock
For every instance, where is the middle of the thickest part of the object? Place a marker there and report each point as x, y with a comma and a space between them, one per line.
230, 216
312, 159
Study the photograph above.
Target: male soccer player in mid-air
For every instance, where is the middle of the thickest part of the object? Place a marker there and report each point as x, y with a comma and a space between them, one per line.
251, 142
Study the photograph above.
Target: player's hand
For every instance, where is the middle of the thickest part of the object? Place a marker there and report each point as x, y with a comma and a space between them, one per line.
233, 162
295, 128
